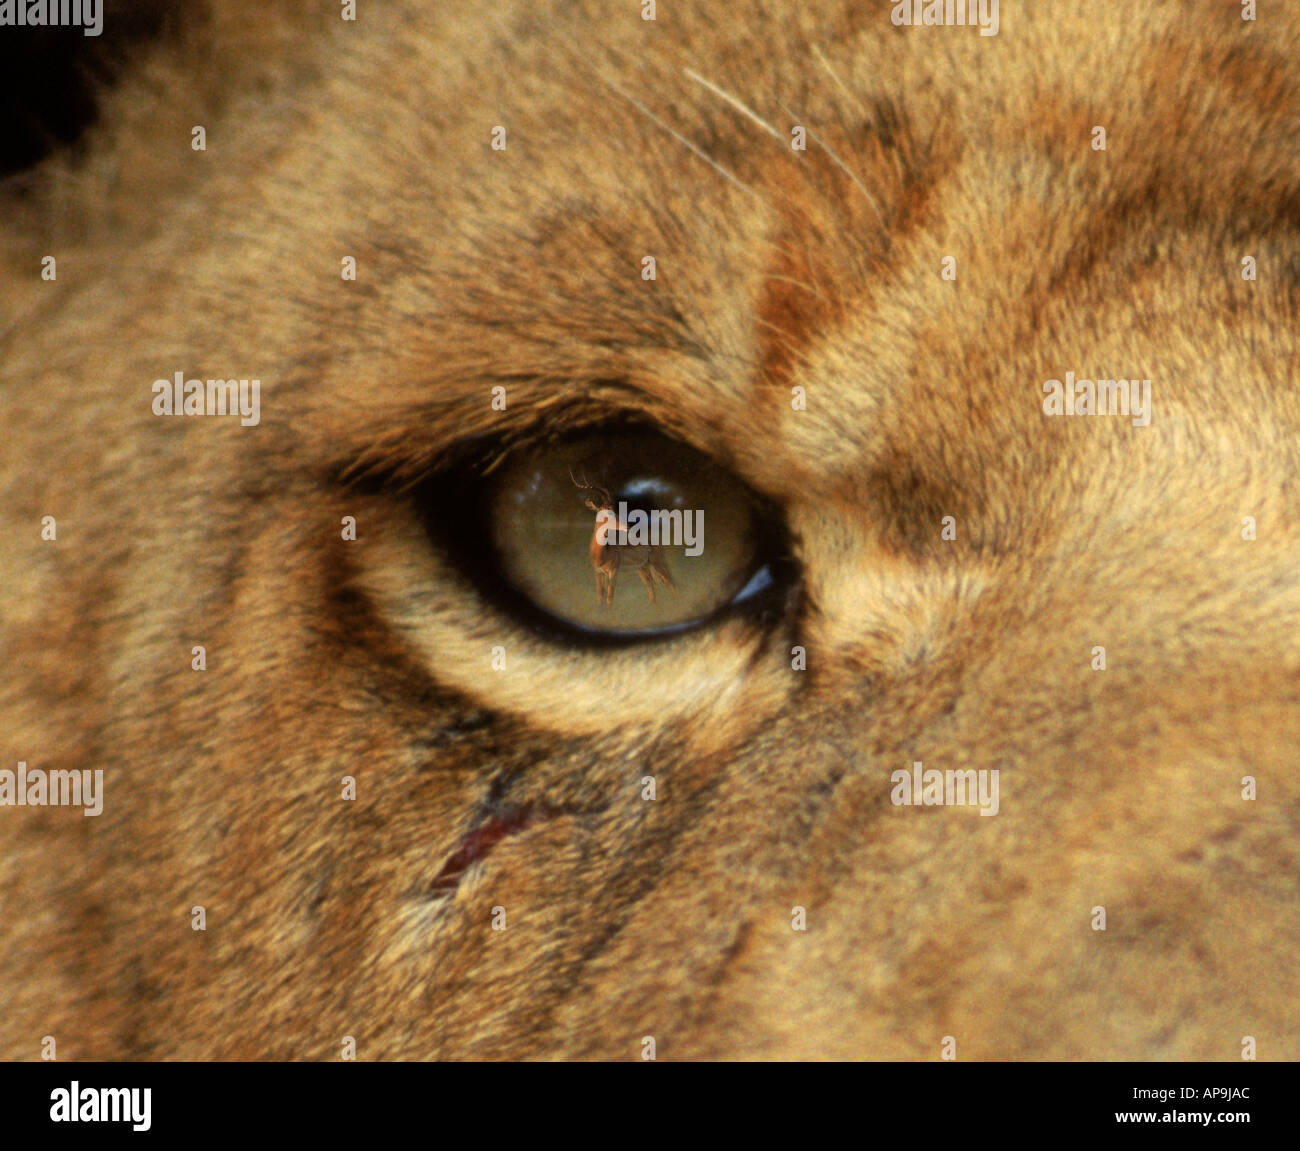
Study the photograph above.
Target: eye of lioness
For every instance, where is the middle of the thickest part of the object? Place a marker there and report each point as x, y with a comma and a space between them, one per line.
614, 534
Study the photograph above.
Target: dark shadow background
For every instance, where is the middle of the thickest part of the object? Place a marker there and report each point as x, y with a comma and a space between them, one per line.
50, 78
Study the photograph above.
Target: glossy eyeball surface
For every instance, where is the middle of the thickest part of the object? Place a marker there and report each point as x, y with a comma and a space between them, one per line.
624, 532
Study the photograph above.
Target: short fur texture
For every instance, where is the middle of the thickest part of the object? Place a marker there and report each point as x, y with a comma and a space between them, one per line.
777, 269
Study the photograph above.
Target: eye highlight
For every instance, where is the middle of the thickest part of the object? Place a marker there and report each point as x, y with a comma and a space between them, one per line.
618, 534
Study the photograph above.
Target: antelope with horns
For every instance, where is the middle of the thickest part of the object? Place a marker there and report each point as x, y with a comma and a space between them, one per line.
608, 556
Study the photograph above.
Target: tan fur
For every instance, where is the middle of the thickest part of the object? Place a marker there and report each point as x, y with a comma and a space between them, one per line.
776, 269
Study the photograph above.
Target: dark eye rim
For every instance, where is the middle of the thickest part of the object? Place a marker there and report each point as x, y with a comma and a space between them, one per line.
452, 503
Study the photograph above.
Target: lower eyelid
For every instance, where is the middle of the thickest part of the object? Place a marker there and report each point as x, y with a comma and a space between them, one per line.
564, 682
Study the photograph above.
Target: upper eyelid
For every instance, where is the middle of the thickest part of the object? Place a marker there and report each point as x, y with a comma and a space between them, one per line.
433, 415
402, 468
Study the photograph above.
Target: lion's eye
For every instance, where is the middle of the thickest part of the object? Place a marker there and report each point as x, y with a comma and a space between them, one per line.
624, 533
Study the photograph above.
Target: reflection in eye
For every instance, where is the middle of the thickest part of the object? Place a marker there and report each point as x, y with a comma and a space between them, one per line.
624, 532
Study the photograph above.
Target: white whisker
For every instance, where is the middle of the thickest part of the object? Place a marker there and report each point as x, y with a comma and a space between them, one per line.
835, 76
687, 144
730, 99
843, 167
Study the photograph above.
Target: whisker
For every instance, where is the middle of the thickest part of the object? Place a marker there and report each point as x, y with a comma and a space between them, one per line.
840, 164
803, 259
730, 99
796, 283
687, 144
791, 349
836, 77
